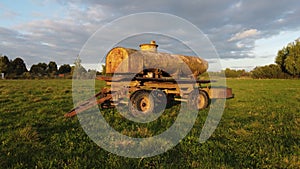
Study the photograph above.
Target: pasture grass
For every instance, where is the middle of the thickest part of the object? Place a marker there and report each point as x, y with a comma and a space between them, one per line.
260, 128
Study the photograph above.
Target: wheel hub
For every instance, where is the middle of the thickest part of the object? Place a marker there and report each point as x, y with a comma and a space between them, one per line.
144, 104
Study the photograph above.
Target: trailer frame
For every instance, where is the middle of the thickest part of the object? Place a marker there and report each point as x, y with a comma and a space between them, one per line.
197, 93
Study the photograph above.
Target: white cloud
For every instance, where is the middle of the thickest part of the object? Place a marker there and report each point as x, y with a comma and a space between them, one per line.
240, 45
236, 5
48, 44
244, 34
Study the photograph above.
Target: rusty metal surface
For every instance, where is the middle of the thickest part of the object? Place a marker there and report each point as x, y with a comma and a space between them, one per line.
121, 55
125, 60
152, 46
125, 78
93, 101
220, 93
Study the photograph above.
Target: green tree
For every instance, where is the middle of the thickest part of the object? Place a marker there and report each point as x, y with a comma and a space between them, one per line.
288, 58
268, 72
280, 59
231, 73
52, 68
103, 69
4, 64
39, 70
235, 73
26, 75
16, 68
64, 69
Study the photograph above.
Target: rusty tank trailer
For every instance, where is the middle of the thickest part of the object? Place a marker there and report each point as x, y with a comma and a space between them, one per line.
121, 60
141, 78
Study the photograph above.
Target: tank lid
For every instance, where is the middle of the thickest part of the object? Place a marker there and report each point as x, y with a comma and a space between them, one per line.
152, 46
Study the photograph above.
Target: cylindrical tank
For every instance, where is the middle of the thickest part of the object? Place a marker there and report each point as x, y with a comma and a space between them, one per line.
125, 60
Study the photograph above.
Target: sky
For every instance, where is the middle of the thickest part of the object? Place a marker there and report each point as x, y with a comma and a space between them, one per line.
245, 33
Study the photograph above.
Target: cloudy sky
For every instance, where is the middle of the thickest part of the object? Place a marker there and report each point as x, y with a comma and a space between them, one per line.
245, 33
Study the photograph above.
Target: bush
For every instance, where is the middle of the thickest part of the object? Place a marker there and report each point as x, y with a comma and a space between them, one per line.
271, 71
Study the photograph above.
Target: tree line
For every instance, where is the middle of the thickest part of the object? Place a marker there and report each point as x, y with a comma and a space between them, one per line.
287, 65
16, 69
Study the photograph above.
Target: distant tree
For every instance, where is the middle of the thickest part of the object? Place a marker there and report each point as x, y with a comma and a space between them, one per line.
292, 61
39, 70
231, 73
26, 75
235, 73
268, 72
64, 69
34, 70
103, 69
280, 59
44, 66
288, 58
4, 64
52, 68
16, 68
98, 73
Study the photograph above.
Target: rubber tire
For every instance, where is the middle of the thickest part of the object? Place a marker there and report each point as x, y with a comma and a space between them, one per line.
198, 99
141, 102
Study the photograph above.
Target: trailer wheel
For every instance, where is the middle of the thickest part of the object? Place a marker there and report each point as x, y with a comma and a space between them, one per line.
198, 99
141, 102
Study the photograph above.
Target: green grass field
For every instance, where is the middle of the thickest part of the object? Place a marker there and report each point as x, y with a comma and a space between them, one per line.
260, 128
